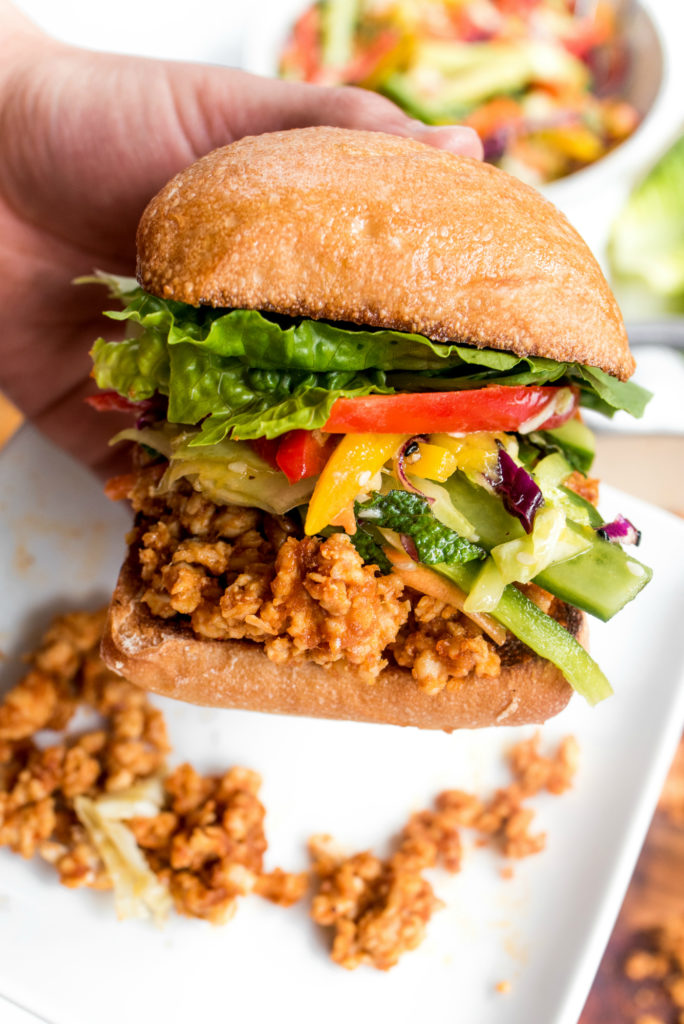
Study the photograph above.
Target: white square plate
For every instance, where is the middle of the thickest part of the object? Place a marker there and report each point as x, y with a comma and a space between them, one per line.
65, 957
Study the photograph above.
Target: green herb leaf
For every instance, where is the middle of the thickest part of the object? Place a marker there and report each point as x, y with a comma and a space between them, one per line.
612, 394
371, 552
408, 513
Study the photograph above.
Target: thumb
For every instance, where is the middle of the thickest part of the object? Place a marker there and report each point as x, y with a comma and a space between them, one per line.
231, 104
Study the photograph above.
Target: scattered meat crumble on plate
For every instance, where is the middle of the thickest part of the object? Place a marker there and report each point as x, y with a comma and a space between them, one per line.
101, 806
98, 805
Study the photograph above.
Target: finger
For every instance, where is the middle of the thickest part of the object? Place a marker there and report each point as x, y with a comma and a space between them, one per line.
454, 138
254, 104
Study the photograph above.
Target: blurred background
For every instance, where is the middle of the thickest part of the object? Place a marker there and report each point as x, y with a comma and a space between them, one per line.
583, 99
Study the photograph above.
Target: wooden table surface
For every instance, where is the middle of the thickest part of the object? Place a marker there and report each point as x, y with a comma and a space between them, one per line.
651, 468
10, 420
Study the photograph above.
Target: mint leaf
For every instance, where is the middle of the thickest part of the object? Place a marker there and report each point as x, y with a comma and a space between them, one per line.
371, 552
410, 514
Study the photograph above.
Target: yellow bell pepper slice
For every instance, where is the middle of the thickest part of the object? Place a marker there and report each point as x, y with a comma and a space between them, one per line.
474, 453
355, 461
435, 463
576, 143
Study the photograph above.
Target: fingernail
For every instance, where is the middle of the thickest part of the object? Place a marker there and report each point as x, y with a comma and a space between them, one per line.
457, 137
421, 126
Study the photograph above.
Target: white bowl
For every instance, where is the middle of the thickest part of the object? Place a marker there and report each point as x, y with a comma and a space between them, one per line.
590, 197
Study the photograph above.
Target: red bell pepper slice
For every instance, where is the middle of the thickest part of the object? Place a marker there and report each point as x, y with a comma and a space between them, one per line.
303, 453
493, 408
112, 401
267, 449
298, 453
119, 487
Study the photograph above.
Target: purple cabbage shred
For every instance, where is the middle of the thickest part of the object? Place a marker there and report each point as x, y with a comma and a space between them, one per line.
409, 546
620, 531
151, 410
521, 495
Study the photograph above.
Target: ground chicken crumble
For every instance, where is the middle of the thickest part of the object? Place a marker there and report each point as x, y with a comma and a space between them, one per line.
238, 573
380, 909
206, 843
207, 846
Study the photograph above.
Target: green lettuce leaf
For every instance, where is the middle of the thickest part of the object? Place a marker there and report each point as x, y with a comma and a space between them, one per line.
607, 394
244, 374
270, 414
137, 368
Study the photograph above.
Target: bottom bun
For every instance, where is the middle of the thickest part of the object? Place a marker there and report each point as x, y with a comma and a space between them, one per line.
167, 657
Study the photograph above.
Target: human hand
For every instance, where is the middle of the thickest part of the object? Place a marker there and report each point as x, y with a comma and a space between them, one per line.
88, 139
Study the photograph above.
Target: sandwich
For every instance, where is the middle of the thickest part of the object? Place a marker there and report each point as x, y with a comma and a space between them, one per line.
356, 366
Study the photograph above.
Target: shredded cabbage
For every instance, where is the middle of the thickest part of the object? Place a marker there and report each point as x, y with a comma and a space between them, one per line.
229, 473
137, 890
235, 484
518, 490
550, 542
158, 438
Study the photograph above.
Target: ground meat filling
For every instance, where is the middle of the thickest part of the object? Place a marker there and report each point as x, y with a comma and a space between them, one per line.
442, 647
238, 573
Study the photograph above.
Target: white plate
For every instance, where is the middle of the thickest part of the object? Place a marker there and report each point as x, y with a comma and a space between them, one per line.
64, 956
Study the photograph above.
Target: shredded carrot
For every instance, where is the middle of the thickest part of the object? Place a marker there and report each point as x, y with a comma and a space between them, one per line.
426, 581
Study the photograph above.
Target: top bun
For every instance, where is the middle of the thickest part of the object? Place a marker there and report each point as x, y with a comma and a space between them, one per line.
373, 229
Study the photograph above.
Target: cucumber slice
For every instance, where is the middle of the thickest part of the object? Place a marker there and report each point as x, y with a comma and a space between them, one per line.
550, 472
576, 441
400, 88
485, 511
541, 634
600, 581
584, 510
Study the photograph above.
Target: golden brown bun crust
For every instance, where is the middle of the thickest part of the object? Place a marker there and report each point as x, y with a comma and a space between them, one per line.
169, 659
364, 227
